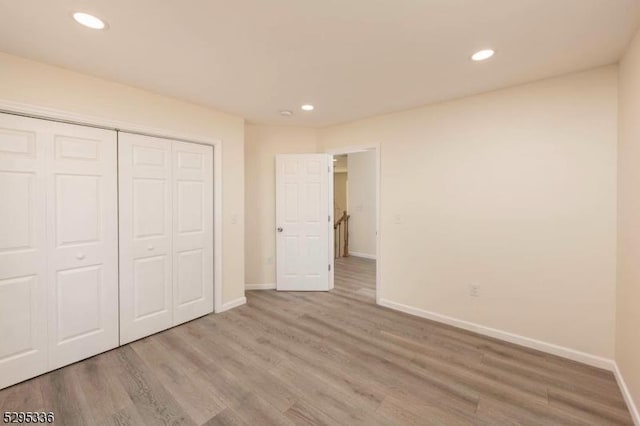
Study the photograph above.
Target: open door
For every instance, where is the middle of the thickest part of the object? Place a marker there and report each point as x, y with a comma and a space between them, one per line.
303, 219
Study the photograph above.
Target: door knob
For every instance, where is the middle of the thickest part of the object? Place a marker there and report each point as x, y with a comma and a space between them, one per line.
149, 247
80, 256
280, 229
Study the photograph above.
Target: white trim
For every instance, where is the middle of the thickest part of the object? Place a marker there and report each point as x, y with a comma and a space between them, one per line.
232, 304
47, 113
572, 354
378, 148
217, 226
269, 286
633, 409
13, 107
363, 255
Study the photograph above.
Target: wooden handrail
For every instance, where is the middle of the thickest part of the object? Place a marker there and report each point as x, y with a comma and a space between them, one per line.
343, 218
341, 238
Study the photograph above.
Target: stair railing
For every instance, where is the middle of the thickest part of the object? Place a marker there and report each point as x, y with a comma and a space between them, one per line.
341, 236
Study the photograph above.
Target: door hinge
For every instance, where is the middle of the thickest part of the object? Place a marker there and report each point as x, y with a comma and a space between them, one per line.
329, 219
329, 266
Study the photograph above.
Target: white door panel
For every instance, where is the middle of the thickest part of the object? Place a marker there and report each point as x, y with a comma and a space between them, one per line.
59, 294
330, 229
58, 245
192, 231
82, 228
302, 217
166, 234
146, 211
23, 295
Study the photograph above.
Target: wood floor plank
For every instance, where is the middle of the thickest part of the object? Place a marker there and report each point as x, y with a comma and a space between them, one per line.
425, 413
103, 393
197, 398
254, 410
227, 417
328, 399
304, 413
127, 416
257, 380
152, 401
496, 412
322, 358
25, 396
587, 408
63, 396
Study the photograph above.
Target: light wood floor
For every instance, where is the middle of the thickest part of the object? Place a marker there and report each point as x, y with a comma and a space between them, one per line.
322, 358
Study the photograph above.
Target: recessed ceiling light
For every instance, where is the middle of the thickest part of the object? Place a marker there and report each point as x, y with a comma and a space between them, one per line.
483, 55
89, 21
286, 113
307, 107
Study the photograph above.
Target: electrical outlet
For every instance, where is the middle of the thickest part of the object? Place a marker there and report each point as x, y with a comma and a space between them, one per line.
397, 219
270, 260
474, 290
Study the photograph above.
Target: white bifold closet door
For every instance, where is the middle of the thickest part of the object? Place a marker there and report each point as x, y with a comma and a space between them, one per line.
82, 229
192, 231
166, 233
23, 252
58, 245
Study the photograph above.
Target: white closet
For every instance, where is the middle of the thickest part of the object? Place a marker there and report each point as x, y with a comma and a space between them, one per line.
166, 233
58, 245
62, 222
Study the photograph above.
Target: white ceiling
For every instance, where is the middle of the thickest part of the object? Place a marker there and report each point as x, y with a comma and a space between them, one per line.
350, 58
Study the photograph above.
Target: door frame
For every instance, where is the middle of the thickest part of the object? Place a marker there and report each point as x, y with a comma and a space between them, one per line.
54, 114
352, 150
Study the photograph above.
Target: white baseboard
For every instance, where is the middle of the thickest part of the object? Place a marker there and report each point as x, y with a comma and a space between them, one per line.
233, 304
268, 286
364, 255
631, 405
572, 354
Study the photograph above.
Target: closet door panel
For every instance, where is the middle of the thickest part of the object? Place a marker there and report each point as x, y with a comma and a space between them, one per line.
145, 236
23, 310
82, 225
192, 231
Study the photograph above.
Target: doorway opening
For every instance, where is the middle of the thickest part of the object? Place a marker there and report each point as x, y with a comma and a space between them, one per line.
355, 228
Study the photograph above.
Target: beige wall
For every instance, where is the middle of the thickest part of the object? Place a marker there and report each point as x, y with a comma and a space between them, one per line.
362, 203
628, 307
262, 143
47, 86
339, 193
514, 190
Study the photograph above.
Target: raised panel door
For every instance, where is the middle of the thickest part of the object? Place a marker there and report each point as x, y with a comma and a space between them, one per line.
23, 277
83, 246
192, 231
146, 223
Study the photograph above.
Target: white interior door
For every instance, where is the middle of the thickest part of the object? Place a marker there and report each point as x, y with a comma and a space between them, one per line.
192, 231
83, 242
146, 212
332, 235
302, 217
23, 285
